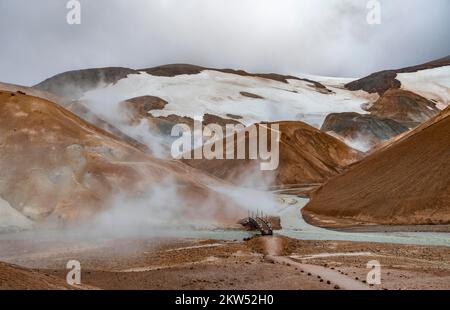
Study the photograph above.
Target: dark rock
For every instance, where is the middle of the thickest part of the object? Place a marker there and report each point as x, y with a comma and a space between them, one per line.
250, 95
382, 81
353, 126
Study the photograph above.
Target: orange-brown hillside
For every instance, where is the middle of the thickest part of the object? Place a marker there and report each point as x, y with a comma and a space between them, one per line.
405, 182
54, 165
19, 278
404, 107
307, 156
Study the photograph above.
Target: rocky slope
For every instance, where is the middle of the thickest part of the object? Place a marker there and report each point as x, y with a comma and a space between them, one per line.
74, 84
409, 96
56, 166
18, 278
382, 81
405, 182
306, 156
362, 131
404, 107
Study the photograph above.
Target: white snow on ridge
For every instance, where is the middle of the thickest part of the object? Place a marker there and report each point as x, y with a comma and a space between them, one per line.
218, 93
433, 84
327, 80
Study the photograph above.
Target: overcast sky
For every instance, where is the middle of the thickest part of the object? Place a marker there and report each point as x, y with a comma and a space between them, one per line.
325, 37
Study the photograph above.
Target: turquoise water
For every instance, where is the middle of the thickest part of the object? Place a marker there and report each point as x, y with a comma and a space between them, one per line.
294, 226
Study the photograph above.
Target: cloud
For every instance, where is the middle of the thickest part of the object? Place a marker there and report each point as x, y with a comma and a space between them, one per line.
327, 37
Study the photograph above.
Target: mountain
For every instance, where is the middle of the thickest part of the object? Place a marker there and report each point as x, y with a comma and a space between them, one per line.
404, 182
56, 166
382, 81
74, 84
362, 131
306, 156
168, 94
408, 96
73, 143
77, 108
404, 107
193, 91
140, 109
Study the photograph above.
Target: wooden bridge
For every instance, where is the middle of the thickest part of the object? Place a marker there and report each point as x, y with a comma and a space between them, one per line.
258, 222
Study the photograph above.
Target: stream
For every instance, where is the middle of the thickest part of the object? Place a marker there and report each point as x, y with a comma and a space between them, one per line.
294, 226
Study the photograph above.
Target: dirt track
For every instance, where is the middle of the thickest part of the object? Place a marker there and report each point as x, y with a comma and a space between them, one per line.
212, 264
342, 281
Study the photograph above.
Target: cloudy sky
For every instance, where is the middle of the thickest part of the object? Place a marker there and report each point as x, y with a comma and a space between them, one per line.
326, 37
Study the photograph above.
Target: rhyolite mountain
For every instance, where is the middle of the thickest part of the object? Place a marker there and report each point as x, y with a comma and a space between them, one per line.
405, 182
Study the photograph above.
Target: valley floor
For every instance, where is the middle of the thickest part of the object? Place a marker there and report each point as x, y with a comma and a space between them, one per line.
261, 263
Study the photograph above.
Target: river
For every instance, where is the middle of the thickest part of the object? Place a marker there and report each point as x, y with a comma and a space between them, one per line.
294, 226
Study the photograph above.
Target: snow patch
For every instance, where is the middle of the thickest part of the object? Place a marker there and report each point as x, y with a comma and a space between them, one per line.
327, 80
433, 84
218, 93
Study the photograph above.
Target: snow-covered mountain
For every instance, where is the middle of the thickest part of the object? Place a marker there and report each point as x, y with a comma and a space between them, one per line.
224, 94
191, 92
